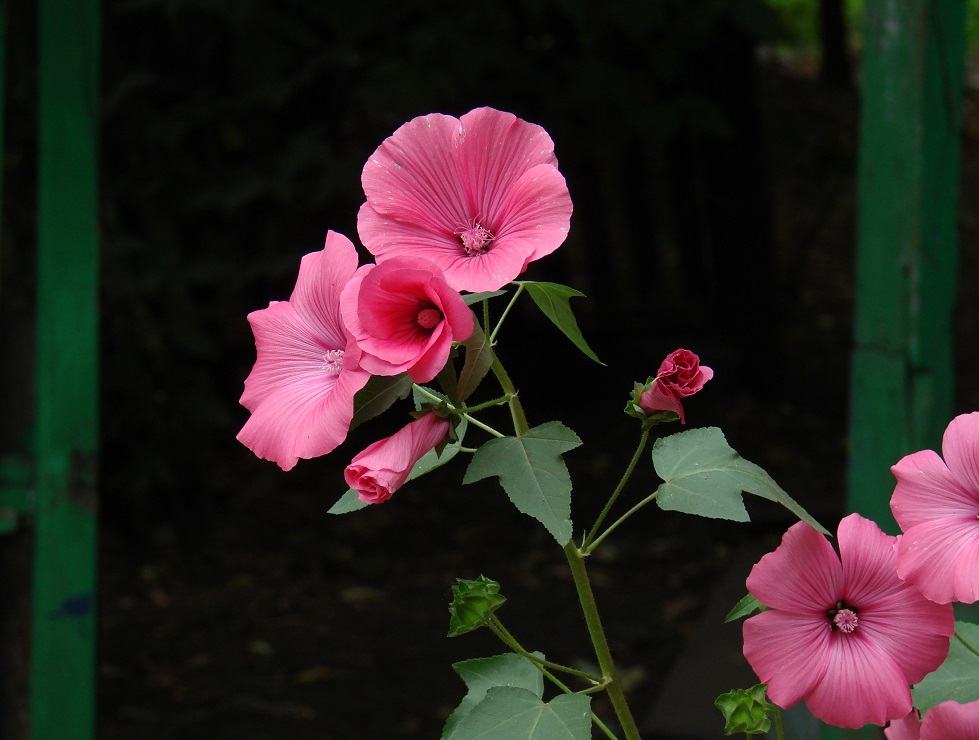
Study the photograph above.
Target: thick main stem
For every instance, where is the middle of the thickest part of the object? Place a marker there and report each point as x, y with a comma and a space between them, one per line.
597, 633
576, 560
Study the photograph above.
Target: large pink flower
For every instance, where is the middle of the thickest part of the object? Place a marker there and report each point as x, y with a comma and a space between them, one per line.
404, 317
480, 196
937, 506
382, 468
300, 391
848, 638
946, 721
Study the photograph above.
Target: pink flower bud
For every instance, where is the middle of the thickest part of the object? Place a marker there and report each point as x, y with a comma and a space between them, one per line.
383, 467
680, 375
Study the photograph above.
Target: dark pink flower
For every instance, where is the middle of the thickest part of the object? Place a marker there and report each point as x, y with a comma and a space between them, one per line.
383, 467
937, 506
680, 375
848, 637
300, 391
404, 317
943, 721
480, 196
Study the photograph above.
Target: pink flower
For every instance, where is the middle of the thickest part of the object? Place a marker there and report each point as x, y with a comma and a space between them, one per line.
937, 506
480, 196
680, 375
404, 317
942, 722
383, 467
300, 391
848, 638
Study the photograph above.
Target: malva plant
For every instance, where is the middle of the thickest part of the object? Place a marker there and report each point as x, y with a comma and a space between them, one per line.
455, 211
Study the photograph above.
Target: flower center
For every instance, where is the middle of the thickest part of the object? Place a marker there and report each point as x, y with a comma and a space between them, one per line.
475, 239
333, 362
842, 617
429, 318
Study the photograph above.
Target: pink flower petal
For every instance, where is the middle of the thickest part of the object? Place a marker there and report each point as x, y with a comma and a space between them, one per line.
926, 489
802, 575
951, 720
941, 558
787, 651
413, 178
906, 728
298, 410
862, 684
960, 447
907, 626
322, 276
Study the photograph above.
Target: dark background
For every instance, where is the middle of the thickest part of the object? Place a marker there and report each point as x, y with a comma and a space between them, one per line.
712, 174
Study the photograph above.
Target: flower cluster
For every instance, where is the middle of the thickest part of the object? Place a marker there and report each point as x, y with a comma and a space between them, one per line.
452, 205
851, 637
455, 209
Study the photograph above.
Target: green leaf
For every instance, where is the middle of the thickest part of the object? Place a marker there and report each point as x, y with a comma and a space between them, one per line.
378, 396
555, 301
532, 472
746, 711
483, 674
472, 604
472, 298
957, 678
703, 475
479, 360
748, 605
517, 714
348, 502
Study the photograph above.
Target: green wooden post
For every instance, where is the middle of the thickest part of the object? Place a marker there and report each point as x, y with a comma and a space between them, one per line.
902, 374
911, 113
66, 374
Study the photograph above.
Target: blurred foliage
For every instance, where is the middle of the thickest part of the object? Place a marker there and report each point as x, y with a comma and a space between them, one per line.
234, 136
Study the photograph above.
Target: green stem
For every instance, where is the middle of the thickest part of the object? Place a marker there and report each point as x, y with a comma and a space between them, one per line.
967, 645
779, 732
485, 427
492, 336
520, 425
598, 540
480, 406
504, 634
618, 489
576, 559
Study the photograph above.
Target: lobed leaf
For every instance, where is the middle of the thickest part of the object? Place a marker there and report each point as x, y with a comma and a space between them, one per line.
517, 714
532, 472
483, 674
703, 475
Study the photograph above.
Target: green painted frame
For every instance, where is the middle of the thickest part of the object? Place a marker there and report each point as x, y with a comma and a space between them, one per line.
58, 492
